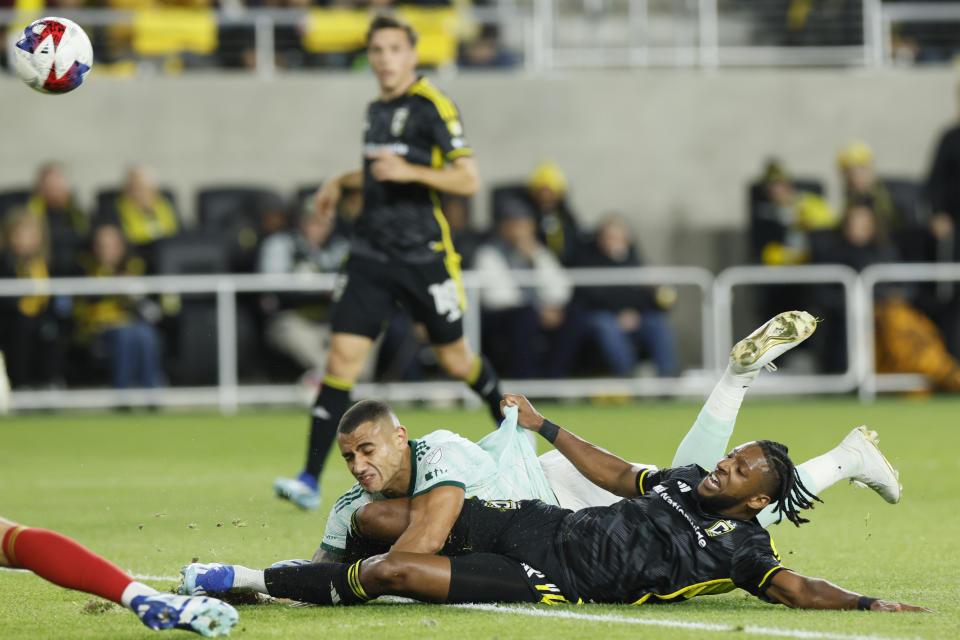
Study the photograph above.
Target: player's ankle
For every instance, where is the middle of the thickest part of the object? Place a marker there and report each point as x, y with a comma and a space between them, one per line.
133, 590
308, 479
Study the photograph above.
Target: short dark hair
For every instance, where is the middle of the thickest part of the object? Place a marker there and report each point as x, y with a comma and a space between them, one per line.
788, 493
363, 411
387, 21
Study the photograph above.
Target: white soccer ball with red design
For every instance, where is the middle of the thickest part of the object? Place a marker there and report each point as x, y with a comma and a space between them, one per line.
53, 55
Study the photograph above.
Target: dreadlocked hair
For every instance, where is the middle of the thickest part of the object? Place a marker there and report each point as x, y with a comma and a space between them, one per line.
790, 494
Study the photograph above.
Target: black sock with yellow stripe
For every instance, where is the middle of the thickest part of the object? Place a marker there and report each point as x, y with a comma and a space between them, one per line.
484, 380
326, 583
332, 402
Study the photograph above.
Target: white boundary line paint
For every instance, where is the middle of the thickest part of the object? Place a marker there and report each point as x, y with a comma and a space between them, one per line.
592, 617
135, 576
677, 624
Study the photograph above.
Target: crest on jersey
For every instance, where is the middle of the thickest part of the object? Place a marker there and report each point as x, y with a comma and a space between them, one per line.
719, 528
399, 120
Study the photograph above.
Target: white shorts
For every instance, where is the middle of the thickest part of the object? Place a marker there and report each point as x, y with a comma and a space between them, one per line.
571, 487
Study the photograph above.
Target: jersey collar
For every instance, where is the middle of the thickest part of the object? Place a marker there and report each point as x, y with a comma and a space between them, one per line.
413, 467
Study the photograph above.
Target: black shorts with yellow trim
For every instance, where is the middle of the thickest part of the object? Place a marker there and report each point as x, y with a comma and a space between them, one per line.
521, 531
373, 291
489, 577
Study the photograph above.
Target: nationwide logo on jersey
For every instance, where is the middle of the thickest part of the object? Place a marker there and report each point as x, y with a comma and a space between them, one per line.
683, 486
399, 120
435, 457
721, 527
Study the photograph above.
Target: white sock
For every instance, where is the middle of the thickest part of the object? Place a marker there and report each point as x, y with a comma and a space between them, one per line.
818, 474
244, 578
133, 590
727, 396
830, 468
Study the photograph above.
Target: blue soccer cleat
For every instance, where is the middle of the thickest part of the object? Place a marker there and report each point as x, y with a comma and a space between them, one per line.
298, 492
200, 579
207, 616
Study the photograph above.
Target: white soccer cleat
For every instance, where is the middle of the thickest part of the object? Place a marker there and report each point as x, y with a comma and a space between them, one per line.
780, 334
207, 616
876, 472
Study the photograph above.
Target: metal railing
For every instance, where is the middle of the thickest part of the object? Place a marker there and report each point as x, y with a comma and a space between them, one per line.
567, 34
716, 304
843, 275
228, 394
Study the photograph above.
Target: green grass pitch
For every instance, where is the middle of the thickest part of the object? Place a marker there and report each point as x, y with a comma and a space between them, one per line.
152, 492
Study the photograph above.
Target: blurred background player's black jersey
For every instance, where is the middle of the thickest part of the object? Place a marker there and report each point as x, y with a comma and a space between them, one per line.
662, 546
403, 221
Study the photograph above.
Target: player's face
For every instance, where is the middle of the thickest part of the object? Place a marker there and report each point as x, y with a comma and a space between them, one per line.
737, 485
393, 59
375, 453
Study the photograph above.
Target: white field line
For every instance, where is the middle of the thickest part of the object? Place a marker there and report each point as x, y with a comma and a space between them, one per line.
676, 624
137, 576
592, 617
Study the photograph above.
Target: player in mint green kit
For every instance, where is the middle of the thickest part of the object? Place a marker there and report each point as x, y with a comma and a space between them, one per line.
501, 464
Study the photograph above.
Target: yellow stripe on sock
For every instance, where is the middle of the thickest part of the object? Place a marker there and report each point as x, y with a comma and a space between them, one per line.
8, 549
353, 579
337, 383
475, 369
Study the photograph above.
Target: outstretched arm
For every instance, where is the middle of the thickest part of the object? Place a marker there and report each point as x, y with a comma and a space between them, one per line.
799, 592
599, 466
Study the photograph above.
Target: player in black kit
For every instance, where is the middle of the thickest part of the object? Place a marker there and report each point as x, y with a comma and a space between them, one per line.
683, 532
402, 252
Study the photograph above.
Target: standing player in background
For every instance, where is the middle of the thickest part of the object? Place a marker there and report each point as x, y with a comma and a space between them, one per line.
66, 563
401, 252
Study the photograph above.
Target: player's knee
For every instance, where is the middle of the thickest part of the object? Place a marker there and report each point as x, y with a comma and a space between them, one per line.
457, 363
387, 573
343, 360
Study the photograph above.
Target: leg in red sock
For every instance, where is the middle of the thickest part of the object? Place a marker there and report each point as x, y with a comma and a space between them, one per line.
63, 562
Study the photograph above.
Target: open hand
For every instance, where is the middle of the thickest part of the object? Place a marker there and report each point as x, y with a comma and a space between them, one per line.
884, 605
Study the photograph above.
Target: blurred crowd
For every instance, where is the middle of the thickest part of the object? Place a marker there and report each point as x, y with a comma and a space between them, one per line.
170, 36
548, 328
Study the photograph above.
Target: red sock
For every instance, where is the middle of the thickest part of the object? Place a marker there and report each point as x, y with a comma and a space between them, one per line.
64, 562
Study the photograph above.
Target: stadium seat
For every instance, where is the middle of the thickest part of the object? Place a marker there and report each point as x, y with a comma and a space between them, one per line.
235, 213
13, 198
161, 32
502, 194
335, 30
106, 204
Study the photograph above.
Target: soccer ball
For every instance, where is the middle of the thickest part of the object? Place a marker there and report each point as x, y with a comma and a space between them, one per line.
53, 55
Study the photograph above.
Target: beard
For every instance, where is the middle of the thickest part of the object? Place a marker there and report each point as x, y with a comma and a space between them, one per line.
716, 503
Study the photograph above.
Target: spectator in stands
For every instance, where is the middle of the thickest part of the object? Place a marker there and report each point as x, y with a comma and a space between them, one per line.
547, 193
944, 189
523, 325
29, 328
907, 341
780, 233
485, 51
466, 239
67, 226
120, 326
296, 323
855, 162
143, 213
544, 195
625, 320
